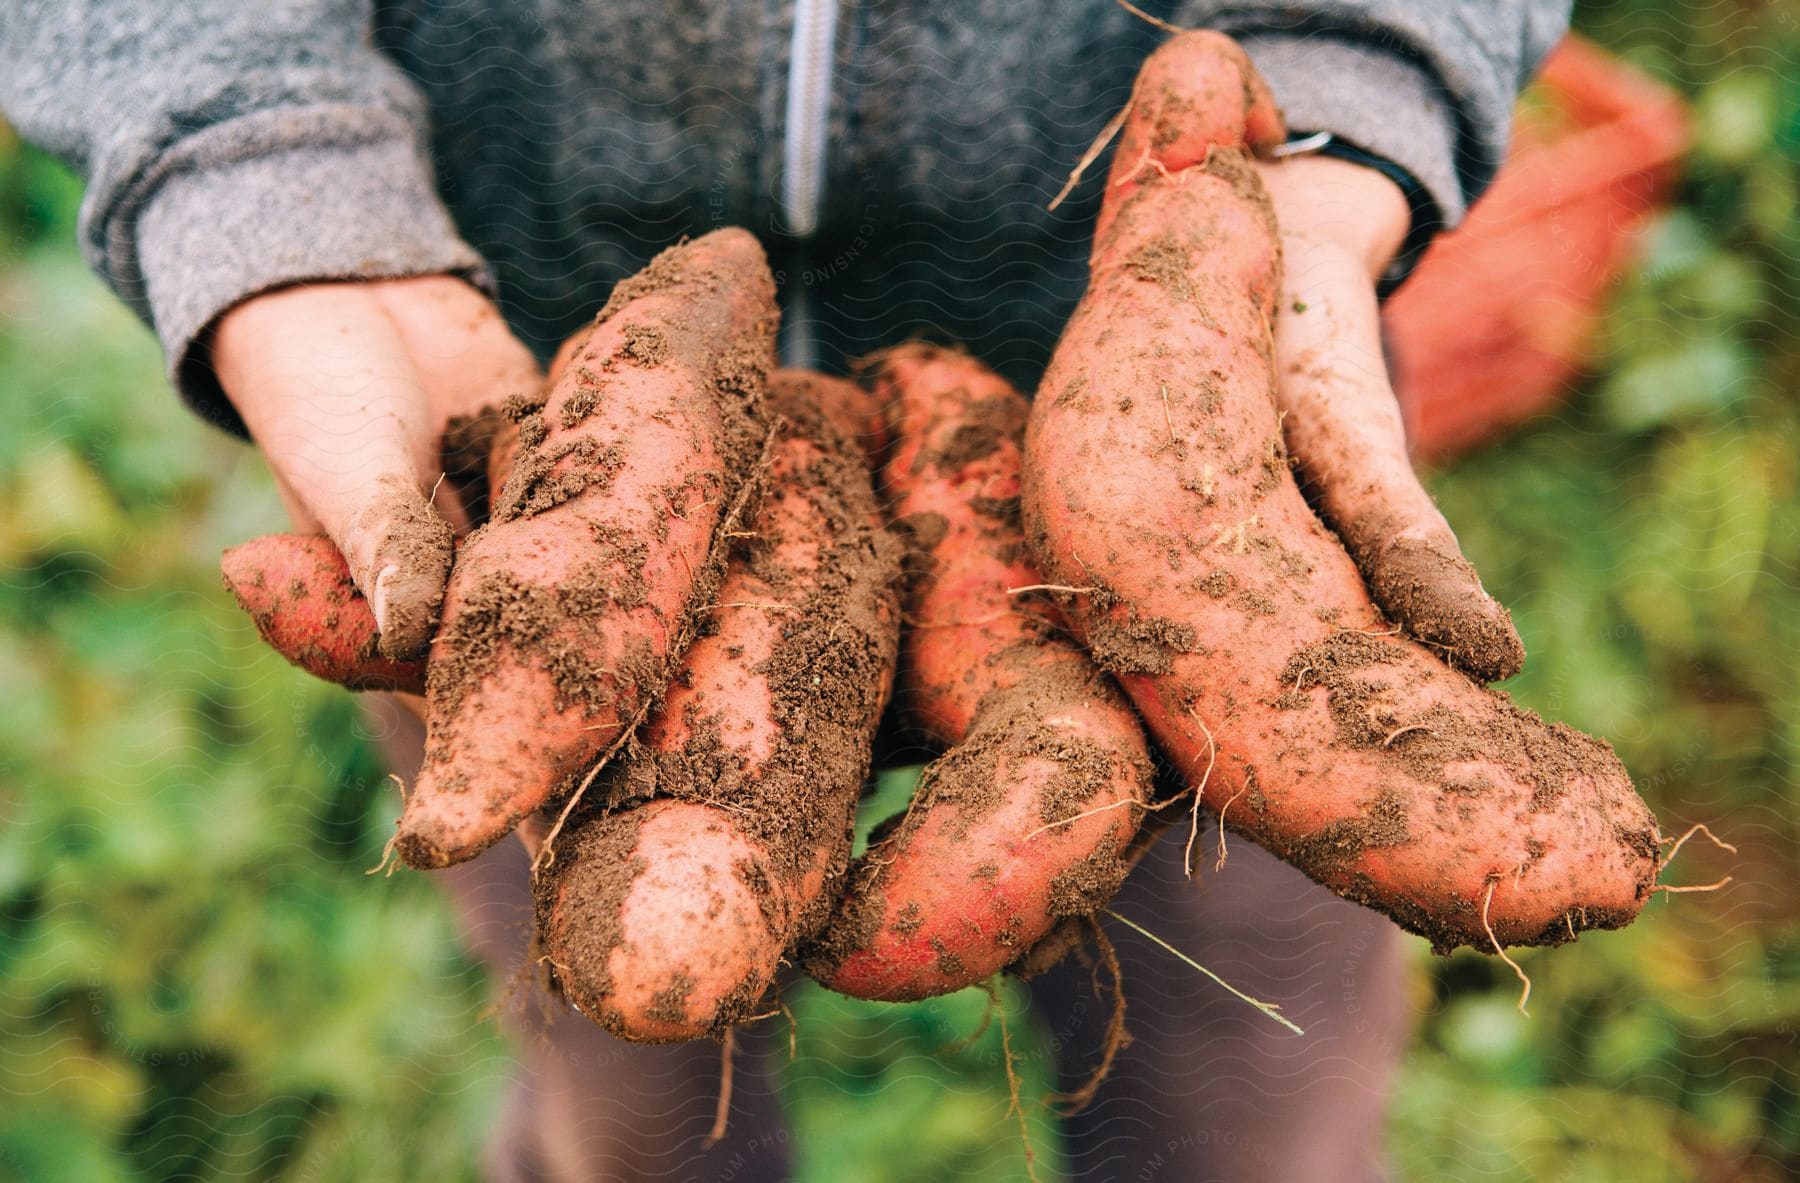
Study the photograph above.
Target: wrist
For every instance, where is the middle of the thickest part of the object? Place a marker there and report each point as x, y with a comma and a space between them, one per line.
1348, 206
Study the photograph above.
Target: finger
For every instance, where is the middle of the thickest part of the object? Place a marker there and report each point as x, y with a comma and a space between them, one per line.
1344, 427
326, 387
299, 516
298, 592
470, 363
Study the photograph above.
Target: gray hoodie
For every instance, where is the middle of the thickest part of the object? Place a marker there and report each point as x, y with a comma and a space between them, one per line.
895, 156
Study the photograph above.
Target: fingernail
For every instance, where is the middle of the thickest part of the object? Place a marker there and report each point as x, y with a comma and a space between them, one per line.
379, 601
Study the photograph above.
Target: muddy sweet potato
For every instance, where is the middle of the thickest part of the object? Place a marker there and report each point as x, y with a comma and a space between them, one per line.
297, 589
1024, 819
1157, 484
564, 612
718, 841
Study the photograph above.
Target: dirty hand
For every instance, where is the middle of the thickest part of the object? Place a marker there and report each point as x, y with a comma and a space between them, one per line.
347, 387
1341, 224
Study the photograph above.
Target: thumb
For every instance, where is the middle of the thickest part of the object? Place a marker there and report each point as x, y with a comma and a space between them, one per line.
1344, 426
326, 386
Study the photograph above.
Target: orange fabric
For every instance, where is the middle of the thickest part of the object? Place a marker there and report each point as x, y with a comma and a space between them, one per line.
1501, 312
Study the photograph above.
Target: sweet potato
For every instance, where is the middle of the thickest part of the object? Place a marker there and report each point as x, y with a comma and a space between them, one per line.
564, 612
1024, 819
719, 840
1157, 483
297, 588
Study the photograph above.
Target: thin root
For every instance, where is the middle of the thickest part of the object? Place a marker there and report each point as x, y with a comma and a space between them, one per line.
1696, 828
1486, 902
722, 1114
1663, 865
1052, 587
1092, 154
1408, 729
547, 853
1147, 161
1086, 813
387, 856
1220, 865
1697, 888
1157, 21
1012, 1080
1212, 757
957, 1046
1117, 1038
1267, 1008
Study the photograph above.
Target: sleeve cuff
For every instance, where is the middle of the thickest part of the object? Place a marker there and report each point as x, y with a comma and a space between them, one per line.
1382, 110
250, 208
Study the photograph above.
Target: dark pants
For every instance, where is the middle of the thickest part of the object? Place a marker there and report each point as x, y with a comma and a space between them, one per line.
1209, 1089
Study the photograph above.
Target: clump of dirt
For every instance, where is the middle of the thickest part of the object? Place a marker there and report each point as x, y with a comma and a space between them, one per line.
582, 402
1089, 885
1442, 751
1253, 603
421, 544
595, 868
1438, 595
669, 1005
1550, 756
1132, 644
1218, 584
989, 423
645, 345
501, 614
1325, 852
1163, 261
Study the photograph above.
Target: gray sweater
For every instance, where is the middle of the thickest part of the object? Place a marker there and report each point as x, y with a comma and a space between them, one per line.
896, 156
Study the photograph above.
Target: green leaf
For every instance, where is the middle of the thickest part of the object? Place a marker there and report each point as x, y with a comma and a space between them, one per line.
1687, 378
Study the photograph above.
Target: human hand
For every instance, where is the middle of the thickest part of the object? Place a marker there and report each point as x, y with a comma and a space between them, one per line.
347, 388
1340, 225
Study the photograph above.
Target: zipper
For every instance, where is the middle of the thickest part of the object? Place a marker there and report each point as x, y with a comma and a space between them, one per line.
811, 57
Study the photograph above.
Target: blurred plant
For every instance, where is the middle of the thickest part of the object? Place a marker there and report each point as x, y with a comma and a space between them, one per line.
196, 978
1648, 541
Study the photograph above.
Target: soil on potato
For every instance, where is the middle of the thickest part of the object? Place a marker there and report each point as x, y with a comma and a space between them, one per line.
1196, 426
424, 544
552, 466
1009, 729
1034, 673
827, 679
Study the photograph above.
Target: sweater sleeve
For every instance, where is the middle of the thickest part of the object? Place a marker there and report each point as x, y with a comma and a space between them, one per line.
228, 148
1425, 88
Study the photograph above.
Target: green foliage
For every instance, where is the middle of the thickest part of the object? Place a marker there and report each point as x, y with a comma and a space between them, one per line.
1648, 541
197, 979
917, 1093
